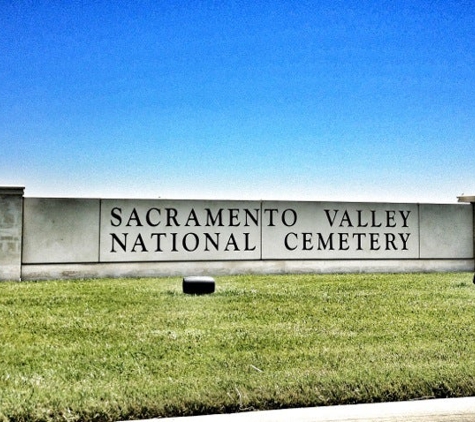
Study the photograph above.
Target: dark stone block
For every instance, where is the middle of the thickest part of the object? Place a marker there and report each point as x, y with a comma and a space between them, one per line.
198, 285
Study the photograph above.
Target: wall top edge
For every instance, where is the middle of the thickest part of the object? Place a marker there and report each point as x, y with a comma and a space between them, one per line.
246, 200
466, 198
12, 190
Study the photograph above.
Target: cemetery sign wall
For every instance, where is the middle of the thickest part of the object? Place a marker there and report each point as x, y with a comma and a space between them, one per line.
71, 237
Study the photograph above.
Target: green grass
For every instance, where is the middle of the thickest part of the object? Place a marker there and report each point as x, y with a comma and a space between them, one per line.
100, 350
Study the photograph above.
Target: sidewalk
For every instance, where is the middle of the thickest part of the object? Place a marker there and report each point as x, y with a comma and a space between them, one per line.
436, 410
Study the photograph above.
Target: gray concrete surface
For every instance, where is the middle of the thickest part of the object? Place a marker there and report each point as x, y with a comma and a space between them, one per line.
436, 410
78, 237
60, 230
11, 217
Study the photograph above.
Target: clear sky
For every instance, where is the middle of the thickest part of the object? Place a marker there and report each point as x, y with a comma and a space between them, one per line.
300, 100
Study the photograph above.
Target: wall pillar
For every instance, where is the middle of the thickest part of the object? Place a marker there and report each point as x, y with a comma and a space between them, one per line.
11, 228
471, 200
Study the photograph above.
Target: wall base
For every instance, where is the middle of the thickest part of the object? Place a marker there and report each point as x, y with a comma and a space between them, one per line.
218, 268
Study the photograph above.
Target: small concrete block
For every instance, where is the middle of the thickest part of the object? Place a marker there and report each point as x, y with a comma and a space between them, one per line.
198, 285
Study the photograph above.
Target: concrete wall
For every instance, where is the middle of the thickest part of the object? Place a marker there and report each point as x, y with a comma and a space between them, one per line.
75, 238
61, 230
11, 216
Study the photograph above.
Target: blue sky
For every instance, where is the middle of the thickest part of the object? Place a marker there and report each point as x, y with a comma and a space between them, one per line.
308, 100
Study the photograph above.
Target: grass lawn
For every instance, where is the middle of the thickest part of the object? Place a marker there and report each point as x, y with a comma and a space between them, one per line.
116, 349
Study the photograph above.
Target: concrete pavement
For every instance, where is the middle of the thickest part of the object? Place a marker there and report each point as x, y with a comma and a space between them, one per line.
435, 410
